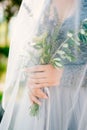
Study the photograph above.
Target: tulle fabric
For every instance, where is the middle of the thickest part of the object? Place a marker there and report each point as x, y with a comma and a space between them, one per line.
66, 107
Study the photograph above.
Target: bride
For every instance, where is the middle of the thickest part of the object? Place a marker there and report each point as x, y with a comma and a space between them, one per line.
60, 92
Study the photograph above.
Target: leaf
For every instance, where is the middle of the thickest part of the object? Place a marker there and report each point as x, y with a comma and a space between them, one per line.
57, 59
38, 46
58, 64
82, 31
65, 45
82, 38
63, 56
47, 49
60, 52
73, 58
70, 57
34, 109
71, 42
84, 24
42, 61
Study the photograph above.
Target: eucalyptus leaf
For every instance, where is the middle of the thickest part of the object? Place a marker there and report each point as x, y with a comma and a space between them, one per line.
57, 59
65, 45
82, 38
57, 64
34, 109
84, 25
60, 52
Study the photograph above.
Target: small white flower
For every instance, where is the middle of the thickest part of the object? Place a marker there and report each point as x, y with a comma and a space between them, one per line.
69, 34
82, 31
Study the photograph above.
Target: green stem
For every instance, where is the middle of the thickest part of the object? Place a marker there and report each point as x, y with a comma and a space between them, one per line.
61, 46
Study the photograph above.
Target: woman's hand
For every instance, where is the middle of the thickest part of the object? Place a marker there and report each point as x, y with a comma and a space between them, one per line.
42, 76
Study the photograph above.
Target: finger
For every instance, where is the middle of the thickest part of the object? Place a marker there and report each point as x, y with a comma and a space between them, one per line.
38, 75
33, 84
36, 68
35, 100
39, 93
38, 81
43, 85
36, 85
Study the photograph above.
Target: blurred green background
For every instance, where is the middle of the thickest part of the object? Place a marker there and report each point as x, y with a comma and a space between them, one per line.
8, 12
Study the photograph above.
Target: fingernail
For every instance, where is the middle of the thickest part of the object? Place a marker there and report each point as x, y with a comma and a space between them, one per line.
45, 96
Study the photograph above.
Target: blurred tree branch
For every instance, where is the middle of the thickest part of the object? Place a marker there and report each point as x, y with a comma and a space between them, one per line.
10, 8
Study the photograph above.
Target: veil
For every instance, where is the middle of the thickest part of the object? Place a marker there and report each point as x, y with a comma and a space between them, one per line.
25, 28
19, 41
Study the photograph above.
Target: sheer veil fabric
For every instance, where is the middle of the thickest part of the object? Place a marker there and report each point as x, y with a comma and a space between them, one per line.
66, 108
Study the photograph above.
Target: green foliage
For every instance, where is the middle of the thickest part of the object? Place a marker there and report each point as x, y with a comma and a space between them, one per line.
34, 108
3, 62
11, 8
1, 94
56, 62
4, 50
83, 32
16, 2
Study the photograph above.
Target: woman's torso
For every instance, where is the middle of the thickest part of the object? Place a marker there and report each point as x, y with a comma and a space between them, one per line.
69, 24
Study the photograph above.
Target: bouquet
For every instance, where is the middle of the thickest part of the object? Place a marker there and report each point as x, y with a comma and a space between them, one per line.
43, 50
